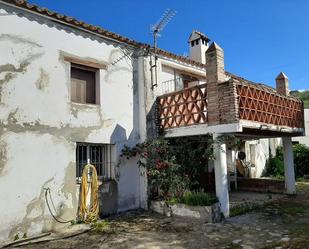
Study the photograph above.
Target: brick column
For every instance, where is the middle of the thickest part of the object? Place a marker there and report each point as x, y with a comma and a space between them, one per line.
282, 84
215, 74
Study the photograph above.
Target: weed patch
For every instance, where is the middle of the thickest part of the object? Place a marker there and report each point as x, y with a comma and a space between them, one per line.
244, 208
102, 226
195, 199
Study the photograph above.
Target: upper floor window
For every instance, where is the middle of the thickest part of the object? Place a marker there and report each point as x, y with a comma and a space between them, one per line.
83, 84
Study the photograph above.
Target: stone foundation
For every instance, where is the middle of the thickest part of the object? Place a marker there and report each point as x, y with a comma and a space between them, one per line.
207, 214
260, 185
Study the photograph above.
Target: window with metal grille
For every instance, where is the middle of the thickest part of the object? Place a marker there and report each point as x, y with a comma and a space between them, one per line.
99, 155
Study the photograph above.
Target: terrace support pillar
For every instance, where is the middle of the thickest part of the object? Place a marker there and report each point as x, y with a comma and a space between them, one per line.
220, 165
288, 165
139, 107
282, 85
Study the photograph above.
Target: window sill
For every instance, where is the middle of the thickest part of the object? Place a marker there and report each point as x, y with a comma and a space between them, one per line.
77, 104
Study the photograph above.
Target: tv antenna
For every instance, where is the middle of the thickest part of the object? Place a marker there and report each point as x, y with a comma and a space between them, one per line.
156, 29
161, 23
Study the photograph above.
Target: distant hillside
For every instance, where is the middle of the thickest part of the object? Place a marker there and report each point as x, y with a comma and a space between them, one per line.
304, 96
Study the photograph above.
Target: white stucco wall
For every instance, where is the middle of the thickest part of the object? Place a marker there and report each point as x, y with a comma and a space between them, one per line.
305, 139
39, 125
257, 153
169, 70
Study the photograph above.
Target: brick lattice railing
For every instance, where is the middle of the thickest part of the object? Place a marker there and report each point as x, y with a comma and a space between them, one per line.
183, 108
262, 104
236, 101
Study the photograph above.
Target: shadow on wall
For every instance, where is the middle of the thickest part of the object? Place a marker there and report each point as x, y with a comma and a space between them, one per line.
52, 24
153, 129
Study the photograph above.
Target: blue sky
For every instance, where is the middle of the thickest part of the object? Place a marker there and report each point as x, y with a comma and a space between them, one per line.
260, 38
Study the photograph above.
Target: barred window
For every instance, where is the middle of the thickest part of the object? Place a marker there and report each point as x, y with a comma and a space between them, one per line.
99, 155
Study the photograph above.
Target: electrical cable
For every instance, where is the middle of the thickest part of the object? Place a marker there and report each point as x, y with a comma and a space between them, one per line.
47, 190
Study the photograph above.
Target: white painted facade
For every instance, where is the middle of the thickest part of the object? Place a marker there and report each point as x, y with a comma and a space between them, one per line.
257, 153
305, 139
40, 126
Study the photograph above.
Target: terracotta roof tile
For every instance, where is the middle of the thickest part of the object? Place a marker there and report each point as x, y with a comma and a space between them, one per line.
100, 31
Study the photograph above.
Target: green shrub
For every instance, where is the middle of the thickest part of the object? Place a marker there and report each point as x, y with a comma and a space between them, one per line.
198, 199
301, 160
275, 166
303, 95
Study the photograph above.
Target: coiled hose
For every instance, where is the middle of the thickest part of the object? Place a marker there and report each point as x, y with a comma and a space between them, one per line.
89, 214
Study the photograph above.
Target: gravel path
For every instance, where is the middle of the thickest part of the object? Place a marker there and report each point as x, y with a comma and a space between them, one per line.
283, 223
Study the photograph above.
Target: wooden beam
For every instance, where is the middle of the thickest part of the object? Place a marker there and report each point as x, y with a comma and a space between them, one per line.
85, 62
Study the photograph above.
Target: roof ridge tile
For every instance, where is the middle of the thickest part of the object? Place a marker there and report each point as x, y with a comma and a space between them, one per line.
100, 31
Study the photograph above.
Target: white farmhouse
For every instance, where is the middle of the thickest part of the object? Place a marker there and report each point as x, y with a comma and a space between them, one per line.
72, 93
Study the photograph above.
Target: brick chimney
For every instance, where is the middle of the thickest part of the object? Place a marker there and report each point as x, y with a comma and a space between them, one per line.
282, 84
215, 64
215, 74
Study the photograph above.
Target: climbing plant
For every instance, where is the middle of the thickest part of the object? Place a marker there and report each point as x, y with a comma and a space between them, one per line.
174, 165
165, 177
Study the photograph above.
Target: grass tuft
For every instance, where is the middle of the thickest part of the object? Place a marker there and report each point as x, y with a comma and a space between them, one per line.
194, 199
244, 208
102, 226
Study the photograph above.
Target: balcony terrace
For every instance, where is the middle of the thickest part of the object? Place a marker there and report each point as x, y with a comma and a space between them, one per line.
259, 109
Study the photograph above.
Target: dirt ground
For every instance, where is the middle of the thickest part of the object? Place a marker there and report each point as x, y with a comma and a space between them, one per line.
282, 223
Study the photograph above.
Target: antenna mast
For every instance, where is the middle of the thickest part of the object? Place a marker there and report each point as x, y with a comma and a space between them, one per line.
156, 29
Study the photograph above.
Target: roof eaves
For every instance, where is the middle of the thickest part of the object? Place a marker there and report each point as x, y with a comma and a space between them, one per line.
96, 30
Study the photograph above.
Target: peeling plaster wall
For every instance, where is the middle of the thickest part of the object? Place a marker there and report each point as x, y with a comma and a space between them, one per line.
39, 126
257, 152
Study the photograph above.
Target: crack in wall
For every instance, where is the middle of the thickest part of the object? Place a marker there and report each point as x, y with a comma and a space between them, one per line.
18, 39
69, 188
35, 210
12, 71
3, 156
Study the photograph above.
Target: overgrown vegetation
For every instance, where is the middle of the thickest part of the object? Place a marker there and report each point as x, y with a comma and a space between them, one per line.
198, 199
304, 96
275, 166
244, 208
195, 199
166, 178
193, 156
102, 226
173, 166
